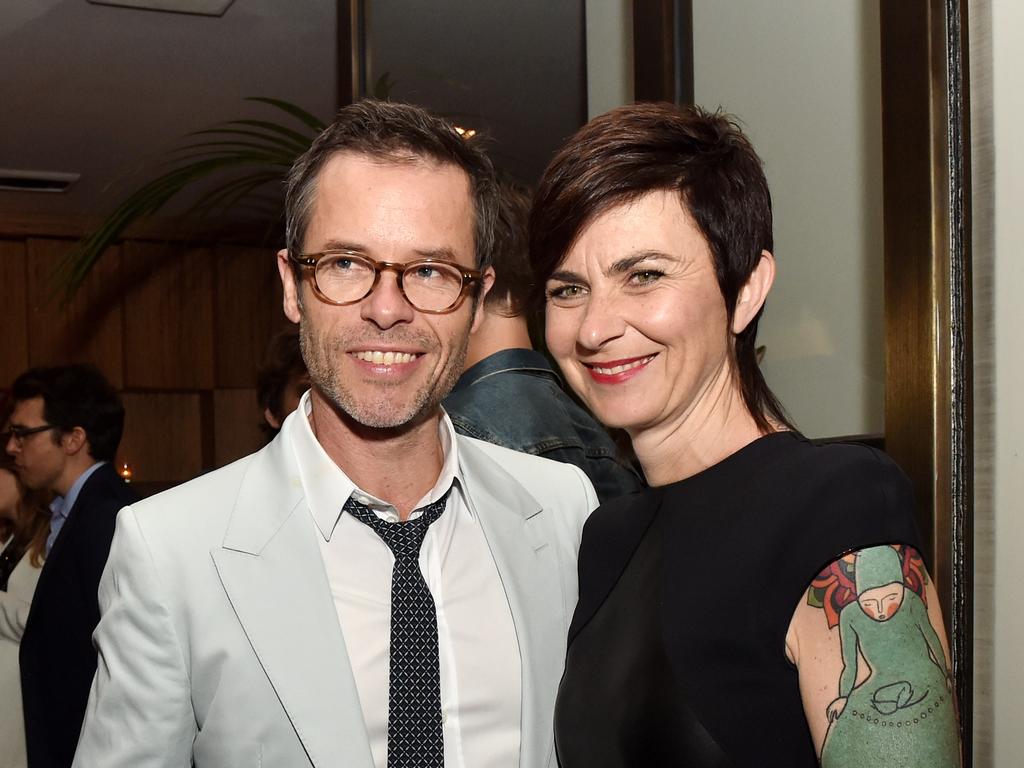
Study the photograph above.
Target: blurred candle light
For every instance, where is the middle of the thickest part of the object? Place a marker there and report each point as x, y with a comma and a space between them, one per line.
466, 133
126, 472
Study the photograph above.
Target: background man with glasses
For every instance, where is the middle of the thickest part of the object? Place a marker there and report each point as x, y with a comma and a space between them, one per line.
371, 589
64, 431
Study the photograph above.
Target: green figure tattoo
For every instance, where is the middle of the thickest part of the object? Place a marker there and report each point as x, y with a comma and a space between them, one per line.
902, 713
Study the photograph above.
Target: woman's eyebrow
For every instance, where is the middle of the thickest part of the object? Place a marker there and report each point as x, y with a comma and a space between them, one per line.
566, 276
624, 264
628, 262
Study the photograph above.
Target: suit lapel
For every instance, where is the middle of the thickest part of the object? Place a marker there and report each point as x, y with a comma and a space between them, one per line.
271, 568
527, 562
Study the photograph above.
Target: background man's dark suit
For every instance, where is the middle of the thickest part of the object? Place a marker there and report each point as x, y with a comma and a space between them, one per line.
57, 656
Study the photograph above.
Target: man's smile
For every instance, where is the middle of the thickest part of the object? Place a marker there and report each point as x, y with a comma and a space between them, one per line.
381, 357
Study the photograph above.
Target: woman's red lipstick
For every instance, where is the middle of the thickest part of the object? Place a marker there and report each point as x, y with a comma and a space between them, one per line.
617, 371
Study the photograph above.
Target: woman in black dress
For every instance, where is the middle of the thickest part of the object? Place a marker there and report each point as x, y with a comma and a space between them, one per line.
722, 618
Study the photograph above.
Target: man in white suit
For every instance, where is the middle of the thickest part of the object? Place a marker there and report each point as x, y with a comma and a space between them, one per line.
275, 612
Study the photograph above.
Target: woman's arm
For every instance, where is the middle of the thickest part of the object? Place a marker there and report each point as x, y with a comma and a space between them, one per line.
832, 658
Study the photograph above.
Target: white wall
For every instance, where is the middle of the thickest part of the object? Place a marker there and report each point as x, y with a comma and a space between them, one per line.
804, 77
997, 58
609, 55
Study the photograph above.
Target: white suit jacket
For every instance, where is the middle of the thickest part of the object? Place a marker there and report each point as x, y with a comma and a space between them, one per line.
219, 641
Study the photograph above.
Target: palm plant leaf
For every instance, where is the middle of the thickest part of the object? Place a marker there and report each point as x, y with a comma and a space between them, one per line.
226, 196
310, 121
239, 158
186, 150
297, 138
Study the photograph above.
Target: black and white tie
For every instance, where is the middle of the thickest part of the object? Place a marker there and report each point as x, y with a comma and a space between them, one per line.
414, 686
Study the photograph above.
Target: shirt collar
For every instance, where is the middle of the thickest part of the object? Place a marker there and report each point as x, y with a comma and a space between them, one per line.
505, 360
327, 487
62, 505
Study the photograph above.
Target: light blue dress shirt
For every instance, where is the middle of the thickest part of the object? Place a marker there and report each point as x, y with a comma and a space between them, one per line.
61, 505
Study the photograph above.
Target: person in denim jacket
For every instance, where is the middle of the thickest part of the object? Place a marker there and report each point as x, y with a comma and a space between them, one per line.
509, 394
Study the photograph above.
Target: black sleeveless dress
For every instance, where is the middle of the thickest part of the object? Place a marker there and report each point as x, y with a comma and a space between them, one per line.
677, 648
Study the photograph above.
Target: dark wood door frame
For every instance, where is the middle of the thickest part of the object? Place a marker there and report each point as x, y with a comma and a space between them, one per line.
663, 50
929, 408
351, 51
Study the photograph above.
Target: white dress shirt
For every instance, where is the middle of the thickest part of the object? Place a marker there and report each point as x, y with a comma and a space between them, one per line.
481, 687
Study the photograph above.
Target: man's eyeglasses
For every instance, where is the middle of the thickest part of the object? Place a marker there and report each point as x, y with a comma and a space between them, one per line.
18, 434
433, 286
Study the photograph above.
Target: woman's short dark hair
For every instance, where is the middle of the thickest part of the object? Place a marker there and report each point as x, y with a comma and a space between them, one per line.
77, 396
704, 156
394, 133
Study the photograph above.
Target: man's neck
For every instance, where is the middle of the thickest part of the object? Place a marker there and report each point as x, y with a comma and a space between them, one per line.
497, 333
396, 465
75, 467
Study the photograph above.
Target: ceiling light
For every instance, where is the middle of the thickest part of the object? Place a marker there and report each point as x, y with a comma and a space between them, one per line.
36, 181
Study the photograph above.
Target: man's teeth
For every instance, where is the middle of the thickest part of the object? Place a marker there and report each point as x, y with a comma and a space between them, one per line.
621, 368
385, 358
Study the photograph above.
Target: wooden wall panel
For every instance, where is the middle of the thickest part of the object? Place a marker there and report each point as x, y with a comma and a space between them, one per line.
248, 312
236, 420
168, 317
163, 436
13, 311
88, 329
182, 330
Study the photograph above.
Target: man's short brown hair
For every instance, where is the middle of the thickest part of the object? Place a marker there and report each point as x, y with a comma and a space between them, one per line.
395, 133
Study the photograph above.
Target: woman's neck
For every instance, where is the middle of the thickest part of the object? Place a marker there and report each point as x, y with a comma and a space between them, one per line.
714, 428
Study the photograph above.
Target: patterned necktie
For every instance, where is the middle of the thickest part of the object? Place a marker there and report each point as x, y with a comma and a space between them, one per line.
414, 685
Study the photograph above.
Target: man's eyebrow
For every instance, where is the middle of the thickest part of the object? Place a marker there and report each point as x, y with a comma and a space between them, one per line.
343, 245
444, 252
628, 262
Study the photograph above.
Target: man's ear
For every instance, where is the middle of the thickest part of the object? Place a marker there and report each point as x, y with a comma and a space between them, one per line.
271, 419
753, 293
74, 441
486, 282
292, 302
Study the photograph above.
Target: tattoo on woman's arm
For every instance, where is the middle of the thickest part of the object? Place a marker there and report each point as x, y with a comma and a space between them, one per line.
901, 712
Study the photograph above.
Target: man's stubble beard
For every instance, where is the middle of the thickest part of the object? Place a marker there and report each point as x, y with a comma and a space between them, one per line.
320, 354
